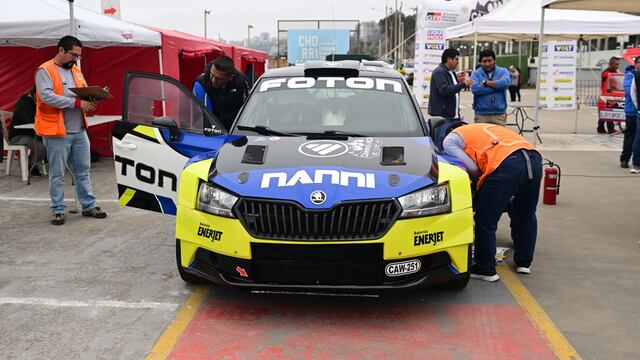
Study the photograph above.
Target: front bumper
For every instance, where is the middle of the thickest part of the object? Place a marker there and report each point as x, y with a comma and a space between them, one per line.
221, 250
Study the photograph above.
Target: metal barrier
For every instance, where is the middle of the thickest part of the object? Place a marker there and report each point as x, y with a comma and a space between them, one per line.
588, 92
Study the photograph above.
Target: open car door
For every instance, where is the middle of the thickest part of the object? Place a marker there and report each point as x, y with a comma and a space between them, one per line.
163, 126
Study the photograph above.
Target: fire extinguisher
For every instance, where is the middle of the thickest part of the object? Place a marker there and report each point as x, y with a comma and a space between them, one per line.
551, 183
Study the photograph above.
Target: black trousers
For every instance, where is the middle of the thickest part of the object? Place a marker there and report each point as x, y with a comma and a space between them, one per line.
513, 91
629, 136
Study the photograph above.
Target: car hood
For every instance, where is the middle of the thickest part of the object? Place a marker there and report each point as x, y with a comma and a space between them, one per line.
296, 168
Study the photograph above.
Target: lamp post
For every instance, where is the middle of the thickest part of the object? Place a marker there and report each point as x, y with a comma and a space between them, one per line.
72, 26
249, 27
206, 12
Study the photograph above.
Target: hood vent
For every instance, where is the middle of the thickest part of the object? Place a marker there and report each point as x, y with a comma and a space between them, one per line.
393, 155
254, 154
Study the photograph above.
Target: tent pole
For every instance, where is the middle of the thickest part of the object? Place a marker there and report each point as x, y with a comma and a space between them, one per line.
538, 77
72, 26
475, 48
160, 60
578, 65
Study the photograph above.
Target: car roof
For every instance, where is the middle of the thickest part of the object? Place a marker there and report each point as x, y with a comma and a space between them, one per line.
333, 68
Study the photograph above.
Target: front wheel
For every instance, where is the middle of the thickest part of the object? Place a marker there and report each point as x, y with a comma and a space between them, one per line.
184, 275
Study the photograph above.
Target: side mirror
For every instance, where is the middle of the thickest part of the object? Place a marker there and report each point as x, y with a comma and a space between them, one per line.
174, 132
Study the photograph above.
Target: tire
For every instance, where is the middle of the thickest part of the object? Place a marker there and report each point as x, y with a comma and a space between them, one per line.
185, 276
462, 281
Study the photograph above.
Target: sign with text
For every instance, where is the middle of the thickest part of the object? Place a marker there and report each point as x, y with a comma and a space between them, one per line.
307, 45
558, 75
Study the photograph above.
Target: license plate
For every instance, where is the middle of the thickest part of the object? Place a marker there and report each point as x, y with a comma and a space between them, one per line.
402, 268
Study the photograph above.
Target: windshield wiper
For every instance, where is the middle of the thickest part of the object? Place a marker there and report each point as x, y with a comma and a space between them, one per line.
263, 130
331, 134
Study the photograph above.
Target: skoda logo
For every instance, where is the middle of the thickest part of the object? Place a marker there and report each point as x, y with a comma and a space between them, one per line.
323, 148
318, 197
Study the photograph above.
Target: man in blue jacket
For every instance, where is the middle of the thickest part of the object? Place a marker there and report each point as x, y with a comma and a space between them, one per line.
631, 114
221, 89
490, 90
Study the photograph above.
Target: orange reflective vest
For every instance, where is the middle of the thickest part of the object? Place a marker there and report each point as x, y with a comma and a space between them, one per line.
488, 145
50, 120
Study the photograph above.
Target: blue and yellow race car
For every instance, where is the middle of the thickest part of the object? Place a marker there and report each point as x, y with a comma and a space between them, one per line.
327, 180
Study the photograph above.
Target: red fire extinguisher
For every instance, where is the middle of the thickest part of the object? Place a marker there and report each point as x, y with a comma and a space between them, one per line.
551, 183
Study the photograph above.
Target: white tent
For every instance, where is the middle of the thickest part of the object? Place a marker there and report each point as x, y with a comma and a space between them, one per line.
40, 23
630, 6
520, 20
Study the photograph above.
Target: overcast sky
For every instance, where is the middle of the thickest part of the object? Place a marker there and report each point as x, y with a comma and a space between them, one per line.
230, 18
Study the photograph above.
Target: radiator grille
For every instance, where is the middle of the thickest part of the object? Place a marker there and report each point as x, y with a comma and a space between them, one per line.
286, 220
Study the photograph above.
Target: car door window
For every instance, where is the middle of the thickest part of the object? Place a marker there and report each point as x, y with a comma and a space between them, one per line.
149, 98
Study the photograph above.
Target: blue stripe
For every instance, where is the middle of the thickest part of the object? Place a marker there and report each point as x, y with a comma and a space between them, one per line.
168, 207
454, 270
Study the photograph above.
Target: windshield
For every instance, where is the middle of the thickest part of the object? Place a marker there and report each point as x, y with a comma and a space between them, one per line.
364, 106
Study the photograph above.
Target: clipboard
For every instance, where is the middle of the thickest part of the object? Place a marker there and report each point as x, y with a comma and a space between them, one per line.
91, 93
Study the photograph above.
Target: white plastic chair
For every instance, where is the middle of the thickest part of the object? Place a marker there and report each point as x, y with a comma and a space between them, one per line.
23, 149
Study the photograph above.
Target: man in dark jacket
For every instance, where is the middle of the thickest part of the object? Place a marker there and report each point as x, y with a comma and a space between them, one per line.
444, 94
24, 112
222, 89
630, 113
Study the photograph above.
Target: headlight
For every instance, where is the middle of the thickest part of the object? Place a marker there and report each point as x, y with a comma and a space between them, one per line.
430, 201
215, 201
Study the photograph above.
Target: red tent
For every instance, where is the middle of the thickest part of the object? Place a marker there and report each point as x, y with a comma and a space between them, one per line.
184, 55
243, 57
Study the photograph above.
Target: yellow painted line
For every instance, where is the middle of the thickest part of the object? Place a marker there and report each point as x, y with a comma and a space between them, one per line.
559, 344
127, 195
171, 335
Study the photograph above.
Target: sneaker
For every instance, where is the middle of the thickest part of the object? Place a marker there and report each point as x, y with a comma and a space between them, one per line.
35, 172
635, 170
601, 131
624, 164
485, 275
612, 131
58, 219
96, 212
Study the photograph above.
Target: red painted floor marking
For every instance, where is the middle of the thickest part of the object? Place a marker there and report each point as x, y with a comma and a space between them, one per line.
323, 328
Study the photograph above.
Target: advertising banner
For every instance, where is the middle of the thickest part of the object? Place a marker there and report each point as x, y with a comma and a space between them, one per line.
434, 16
307, 45
558, 75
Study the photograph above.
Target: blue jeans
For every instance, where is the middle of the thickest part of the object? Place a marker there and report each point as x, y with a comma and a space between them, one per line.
512, 179
636, 144
72, 149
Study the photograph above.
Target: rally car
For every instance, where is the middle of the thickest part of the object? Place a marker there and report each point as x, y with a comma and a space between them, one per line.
328, 179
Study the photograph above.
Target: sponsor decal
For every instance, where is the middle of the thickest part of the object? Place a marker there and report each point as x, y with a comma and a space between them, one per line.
435, 35
427, 238
614, 115
402, 268
563, 80
544, 48
318, 197
147, 174
365, 148
561, 106
563, 57
565, 47
434, 16
205, 231
564, 65
241, 271
380, 84
563, 98
127, 35
342, 178
434, 46
323, 148
561, 73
